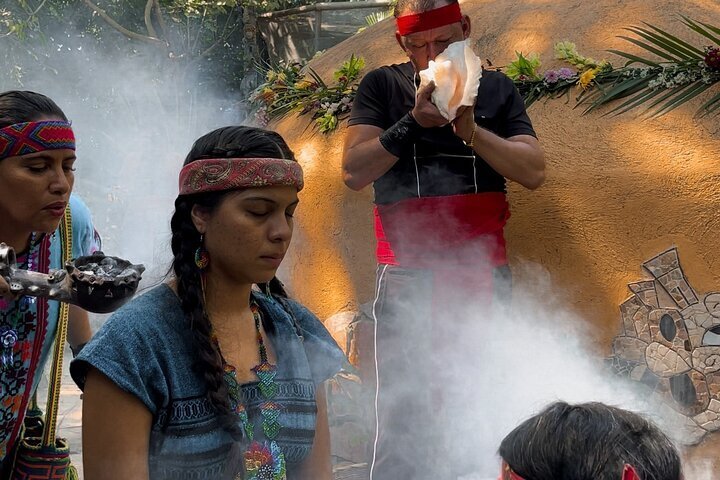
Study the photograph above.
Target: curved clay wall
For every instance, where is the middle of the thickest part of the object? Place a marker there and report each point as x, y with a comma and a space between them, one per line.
619, 190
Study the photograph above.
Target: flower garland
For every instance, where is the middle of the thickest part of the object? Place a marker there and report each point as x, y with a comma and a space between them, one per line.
684, 72
297, 88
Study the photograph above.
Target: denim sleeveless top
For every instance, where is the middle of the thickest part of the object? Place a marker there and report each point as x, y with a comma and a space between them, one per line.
146, 349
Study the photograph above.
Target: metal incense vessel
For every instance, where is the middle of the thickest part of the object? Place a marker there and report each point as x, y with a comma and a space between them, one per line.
96, 283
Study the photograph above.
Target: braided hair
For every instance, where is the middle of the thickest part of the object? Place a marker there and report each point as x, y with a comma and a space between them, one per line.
227, 142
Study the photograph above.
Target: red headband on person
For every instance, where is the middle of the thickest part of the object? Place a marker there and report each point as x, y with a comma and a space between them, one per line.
629, 473
217, 174
32, 137
419, 22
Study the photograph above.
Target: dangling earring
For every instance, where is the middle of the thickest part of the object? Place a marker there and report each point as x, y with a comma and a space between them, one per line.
202, 257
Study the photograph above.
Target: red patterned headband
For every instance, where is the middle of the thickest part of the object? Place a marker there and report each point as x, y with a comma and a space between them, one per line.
216, 174
419, 22
629, 473
32, 137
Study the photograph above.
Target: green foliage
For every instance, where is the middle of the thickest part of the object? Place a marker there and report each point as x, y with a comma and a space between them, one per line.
682, 72
298, 88
524, 69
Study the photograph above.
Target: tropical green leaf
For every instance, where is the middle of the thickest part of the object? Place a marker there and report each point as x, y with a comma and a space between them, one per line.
688, 47
711, 28
634, 58
650, 48
710, 106
635, 101
669, 45
377, 17
619, 90
317, 78
685, 97
702, 31
667, 95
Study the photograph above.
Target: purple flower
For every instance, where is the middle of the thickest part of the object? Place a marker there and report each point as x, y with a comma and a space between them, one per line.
551, 76
565, 73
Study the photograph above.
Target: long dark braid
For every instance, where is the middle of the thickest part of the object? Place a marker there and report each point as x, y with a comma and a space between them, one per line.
225, 142
185, 241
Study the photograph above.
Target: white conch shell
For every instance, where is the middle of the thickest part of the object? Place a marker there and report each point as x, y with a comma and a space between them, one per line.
456, 73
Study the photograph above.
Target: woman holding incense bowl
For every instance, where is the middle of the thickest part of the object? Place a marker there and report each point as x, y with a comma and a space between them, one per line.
37, 165
215, 374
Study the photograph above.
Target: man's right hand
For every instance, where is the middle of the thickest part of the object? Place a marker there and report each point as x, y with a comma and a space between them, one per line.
425, 112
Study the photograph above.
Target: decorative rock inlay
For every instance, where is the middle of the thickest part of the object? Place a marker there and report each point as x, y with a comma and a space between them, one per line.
664, 361
670, 343
646, 292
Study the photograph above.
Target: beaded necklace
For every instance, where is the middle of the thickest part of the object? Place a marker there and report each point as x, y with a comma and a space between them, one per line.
263, 460
14, 311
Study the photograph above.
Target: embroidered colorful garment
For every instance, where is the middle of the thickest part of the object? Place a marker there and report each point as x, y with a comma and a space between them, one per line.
216, 174
146, 348
32, 137
35, 323
263, 460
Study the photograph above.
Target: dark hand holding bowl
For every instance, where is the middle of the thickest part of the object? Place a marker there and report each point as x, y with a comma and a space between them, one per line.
96, 283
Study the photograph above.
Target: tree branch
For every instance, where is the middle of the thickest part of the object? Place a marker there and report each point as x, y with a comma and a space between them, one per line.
160, 17
130, 34
199, 32
148, 19
37, 10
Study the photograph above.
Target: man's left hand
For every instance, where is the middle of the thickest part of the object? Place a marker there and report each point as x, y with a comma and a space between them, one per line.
464, 123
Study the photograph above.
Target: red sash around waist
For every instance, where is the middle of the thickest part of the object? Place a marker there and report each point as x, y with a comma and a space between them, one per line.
436, 232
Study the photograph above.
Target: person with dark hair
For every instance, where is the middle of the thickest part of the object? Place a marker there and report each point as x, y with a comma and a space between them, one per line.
37, 165
217, 373
590, 441
439, 216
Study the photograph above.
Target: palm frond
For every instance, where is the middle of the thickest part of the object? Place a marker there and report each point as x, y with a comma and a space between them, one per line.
633, 102
664, 85
710, 106
669, 45
687, 95
634, 58
688, 47
706, 32
650, 48
377, 17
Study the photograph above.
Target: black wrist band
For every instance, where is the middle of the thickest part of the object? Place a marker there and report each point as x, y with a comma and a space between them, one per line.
404, 132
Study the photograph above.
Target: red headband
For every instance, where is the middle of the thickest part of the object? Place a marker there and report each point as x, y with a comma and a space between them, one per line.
507, 473
33, 137
216, 174
419, 22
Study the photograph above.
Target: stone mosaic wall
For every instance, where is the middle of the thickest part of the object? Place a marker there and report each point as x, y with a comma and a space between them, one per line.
670, 342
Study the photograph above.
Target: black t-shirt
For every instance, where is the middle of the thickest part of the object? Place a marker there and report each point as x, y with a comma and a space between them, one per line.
439, 163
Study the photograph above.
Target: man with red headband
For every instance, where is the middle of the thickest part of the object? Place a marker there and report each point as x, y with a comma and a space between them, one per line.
440, 210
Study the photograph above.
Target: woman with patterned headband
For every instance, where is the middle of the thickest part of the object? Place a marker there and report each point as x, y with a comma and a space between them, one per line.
590, 441
215, 374
37, 164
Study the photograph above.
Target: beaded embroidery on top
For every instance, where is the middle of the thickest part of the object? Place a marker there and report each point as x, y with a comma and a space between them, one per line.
263, 460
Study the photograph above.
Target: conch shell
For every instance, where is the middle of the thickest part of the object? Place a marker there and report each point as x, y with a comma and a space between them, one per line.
456, 73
